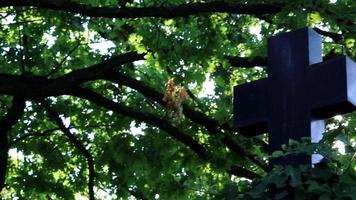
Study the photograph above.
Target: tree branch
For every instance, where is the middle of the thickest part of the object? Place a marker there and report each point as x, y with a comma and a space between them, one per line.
132, 12
77, 143
200, 118
148, 92
41, 87
235, 147
61, 85
137, 195
6, 123
334, 36
242, 172
58, 65
142, 116
96, 71
23, 137
247, 62
157, 122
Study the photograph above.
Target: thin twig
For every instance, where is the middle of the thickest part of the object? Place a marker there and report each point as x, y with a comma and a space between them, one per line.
59, 64
31, 134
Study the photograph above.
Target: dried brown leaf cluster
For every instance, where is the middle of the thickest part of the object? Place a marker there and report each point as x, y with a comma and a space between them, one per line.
174, 96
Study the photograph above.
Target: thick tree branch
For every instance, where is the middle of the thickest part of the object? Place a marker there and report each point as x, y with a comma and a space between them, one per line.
77, 143
13, 115
238, 149
96, 71
148, 92
142, 116
158, 122
334, 36
132, 12
41, 87
242, 172
137, 195
200, 118
247, 62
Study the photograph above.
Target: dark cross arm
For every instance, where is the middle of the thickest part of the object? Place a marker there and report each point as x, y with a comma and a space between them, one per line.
250, 105
332, 87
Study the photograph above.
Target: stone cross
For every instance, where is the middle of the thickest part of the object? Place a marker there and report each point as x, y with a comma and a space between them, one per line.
299, 93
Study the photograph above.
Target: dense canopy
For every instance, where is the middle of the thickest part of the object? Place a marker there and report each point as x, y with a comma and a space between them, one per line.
132, 99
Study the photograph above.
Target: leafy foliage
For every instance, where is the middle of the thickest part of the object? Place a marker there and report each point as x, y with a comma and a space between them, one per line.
333, 178
90, 77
